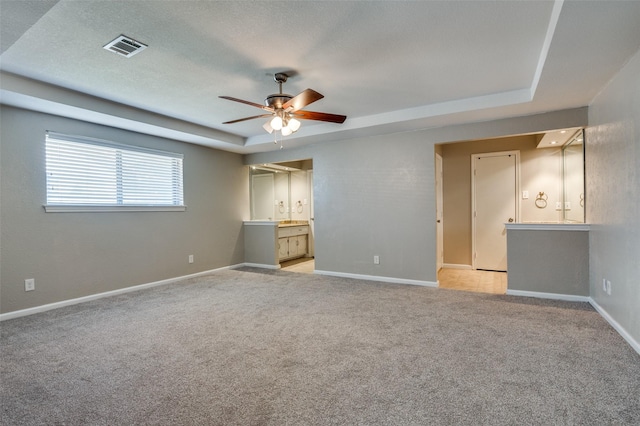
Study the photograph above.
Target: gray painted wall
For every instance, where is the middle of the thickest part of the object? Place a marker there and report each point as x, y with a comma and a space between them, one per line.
548, 261
71, 255
261, 244
613, 203
376, 195
373, 197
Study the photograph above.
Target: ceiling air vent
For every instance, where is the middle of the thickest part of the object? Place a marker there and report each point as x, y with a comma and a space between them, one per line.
125, 46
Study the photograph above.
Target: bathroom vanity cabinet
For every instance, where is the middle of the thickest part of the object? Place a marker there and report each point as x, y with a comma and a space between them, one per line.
292, 241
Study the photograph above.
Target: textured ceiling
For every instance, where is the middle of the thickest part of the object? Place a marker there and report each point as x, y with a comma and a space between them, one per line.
388, 66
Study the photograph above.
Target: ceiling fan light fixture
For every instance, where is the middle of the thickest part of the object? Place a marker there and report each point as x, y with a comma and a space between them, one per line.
282, 108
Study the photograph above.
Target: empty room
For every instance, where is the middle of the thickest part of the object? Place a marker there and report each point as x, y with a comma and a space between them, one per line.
320, 212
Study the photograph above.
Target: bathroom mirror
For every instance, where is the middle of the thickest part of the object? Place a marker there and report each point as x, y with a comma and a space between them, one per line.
280, 191
573, 179
270, 190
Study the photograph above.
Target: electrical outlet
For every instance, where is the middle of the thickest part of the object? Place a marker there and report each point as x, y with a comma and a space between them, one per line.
376, 260
525, 195
29, 284
609, 287
558, 205
190, 258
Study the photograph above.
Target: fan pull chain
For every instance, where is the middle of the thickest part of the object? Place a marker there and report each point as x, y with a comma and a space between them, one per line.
275, 139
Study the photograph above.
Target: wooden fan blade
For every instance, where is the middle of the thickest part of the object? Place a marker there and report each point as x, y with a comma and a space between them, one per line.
301, 100
320, 116
229, 98
247, 118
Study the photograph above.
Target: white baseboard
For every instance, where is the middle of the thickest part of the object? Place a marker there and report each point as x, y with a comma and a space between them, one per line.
572, 298
377, 278
63, 303
617, 327
456, 266
554, 296
566, 297
257, 265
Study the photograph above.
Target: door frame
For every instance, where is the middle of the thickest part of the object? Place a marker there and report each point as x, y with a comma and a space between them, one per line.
439, 212
312, 228
515, 153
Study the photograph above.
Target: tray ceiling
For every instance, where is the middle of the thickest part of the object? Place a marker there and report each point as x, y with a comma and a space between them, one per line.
388, 66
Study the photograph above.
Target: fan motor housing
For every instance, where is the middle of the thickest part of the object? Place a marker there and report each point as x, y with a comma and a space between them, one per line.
277, 100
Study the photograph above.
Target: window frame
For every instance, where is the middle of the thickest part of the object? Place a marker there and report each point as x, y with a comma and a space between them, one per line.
105, 207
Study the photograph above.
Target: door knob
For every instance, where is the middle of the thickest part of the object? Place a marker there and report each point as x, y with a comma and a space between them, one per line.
438, 221
510, 220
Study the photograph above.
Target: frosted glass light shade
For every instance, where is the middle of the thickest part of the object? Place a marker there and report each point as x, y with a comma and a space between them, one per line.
286, 131
294, 125
267, 127
276, 123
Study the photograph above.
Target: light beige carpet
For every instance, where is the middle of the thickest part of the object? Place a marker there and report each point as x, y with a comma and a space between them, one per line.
276, 348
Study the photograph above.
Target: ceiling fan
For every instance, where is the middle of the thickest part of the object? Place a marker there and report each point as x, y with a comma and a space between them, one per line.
285, 110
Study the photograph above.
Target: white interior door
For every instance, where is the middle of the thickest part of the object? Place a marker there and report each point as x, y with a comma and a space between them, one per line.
495, 202
439, 216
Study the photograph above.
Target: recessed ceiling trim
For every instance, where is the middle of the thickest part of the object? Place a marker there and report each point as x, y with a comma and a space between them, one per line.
551, 29
495, 100
125, 46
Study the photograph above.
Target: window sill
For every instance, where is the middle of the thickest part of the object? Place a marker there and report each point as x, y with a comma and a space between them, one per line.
110, 209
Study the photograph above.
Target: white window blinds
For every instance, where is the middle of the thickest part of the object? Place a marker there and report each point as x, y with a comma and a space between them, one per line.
90, 172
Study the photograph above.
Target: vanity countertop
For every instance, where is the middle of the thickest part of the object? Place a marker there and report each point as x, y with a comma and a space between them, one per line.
547, 226
288, 223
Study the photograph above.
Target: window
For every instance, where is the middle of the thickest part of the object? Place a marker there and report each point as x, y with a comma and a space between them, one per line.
85, 174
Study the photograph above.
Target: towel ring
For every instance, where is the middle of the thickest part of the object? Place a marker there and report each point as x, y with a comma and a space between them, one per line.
541, 200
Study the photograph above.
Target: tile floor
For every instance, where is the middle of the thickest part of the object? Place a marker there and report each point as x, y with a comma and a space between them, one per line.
303, 265
454, 279
470, 280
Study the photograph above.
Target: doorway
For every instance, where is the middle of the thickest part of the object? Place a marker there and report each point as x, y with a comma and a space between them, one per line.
539, 170
283, 193
495, 186
305, 265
